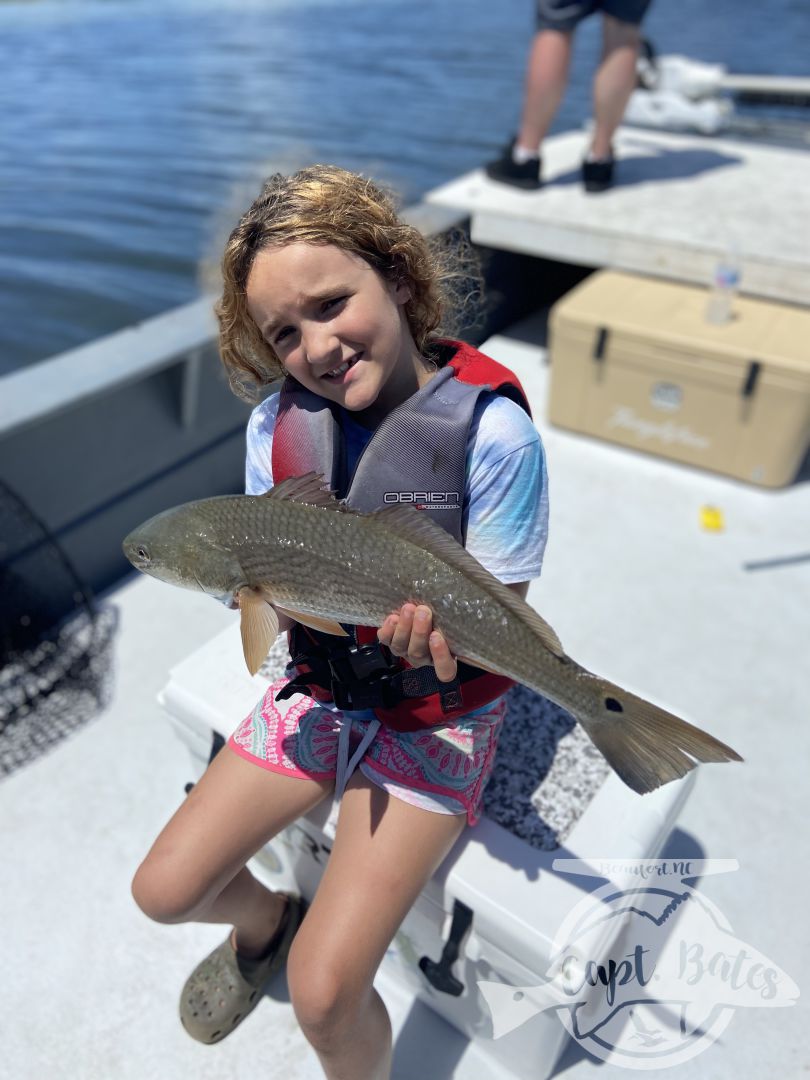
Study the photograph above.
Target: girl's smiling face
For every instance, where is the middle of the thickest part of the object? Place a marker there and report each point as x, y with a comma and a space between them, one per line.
337, 326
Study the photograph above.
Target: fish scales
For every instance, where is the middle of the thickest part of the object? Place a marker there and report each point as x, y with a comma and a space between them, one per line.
371, 572
310, 556
337, 565
315, 561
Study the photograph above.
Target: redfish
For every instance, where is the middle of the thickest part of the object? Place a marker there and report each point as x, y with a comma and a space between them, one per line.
320, 562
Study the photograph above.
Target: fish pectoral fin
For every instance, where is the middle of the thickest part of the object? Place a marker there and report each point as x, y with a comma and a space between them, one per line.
258, 626
315, 622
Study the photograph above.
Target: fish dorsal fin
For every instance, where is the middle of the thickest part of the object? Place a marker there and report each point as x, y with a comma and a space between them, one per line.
310, 488
417, 527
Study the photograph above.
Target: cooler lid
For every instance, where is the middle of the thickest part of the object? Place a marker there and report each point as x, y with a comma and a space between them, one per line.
666, 313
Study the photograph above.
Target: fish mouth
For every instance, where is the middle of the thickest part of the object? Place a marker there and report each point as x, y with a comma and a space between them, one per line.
337, 373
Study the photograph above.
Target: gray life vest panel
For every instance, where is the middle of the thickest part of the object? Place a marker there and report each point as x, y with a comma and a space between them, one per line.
417, 455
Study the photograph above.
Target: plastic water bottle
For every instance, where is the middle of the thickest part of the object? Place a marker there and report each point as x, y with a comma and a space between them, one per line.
724, 289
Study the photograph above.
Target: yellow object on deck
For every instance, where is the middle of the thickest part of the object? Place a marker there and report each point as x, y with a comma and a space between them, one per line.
711, 519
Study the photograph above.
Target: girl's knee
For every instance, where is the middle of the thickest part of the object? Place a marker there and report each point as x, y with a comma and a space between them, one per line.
324, 1000
163, 893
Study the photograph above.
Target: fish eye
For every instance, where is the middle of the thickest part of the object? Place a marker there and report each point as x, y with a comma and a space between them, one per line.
143, 553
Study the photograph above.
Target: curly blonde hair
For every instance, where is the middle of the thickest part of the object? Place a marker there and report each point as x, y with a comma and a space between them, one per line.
323, 204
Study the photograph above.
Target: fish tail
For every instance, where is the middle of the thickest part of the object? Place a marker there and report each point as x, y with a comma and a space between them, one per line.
647, 746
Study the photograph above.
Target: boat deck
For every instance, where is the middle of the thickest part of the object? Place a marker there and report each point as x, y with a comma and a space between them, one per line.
679, 203
637, 591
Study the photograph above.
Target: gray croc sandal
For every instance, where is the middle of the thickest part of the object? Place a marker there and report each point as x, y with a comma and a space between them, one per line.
226, 986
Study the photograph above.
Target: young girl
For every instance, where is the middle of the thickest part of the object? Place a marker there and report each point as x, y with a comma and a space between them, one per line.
325, 285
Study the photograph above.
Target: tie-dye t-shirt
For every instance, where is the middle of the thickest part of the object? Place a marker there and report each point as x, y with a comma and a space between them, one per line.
505, 509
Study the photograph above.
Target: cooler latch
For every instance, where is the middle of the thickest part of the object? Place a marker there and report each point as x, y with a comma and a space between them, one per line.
601, 343
439, 974
754, 368
217, 742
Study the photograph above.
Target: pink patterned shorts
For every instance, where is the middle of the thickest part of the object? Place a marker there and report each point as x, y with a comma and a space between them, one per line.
447, 775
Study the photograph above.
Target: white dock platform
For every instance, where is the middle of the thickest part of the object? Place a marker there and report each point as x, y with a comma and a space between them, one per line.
637, 591
679, 202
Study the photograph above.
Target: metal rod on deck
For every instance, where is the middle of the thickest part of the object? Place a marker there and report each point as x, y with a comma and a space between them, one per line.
767, 84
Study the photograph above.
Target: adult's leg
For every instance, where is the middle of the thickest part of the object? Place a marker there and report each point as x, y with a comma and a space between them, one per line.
384, 852
614, 81
546, 79
195, 870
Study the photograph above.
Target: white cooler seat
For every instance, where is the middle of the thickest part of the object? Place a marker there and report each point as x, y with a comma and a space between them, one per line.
504, 894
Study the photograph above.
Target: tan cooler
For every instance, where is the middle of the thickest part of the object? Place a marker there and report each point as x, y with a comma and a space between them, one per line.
634, 361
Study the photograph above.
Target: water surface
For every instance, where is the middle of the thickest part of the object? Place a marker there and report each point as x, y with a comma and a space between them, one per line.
134, 131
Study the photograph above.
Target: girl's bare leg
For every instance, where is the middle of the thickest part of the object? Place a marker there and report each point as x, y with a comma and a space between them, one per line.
195, 870
385, 851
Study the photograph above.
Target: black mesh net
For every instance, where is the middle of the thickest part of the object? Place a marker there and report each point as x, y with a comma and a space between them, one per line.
55, 640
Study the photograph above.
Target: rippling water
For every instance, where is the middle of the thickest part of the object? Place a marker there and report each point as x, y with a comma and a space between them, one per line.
134, 131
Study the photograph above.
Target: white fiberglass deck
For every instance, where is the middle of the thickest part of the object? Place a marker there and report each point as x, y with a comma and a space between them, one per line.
679, 202
637, 592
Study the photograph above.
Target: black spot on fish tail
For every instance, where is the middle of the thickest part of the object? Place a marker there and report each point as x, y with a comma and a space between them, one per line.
646, 745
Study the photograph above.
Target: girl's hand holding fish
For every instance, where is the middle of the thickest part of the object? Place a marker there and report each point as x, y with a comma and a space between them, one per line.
408, 634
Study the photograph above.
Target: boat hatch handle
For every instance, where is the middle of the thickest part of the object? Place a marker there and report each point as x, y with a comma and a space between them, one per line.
439, 974
217, 742
754, 368
601, 342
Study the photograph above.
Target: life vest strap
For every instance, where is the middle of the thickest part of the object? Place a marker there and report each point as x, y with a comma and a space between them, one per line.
364, 677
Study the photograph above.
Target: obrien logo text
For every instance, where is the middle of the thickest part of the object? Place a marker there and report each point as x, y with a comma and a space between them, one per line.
435, 500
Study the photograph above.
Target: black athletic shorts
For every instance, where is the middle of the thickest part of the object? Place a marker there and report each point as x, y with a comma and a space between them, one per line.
565, 14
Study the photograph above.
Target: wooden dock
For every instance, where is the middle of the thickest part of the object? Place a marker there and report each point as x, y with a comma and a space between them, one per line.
679, 203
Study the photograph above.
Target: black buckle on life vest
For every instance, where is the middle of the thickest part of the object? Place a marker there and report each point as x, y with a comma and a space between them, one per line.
360, 662
374, 695
361, 677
